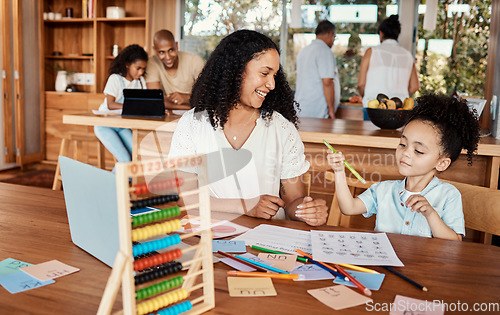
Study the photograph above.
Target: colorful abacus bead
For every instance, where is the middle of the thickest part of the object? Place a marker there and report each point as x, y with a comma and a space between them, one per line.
157, 259
158, 185
176, 309
161, 301
156, 216
159, 288
161, 271
155, 229
148, 247
142, 203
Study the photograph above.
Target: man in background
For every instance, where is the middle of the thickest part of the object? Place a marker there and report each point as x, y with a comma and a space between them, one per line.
172, 70
318, 85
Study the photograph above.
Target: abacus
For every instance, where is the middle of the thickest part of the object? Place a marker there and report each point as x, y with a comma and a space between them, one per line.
145, 274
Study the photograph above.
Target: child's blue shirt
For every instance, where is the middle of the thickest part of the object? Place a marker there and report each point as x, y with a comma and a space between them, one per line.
384, 200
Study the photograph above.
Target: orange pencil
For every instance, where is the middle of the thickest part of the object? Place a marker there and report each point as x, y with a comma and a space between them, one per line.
337, 268
365, 290
264, 274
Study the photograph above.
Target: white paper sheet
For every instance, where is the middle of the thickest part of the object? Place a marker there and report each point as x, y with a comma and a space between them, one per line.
111, 112
277, 238
355, 248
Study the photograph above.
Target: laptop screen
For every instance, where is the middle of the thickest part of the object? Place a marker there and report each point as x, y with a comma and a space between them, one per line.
143, 103
90, 195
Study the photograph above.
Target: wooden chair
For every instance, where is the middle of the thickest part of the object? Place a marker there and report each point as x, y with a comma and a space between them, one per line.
481, 206
336, 218
77, 139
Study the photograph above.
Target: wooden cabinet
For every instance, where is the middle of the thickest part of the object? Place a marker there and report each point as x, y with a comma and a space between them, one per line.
82, 46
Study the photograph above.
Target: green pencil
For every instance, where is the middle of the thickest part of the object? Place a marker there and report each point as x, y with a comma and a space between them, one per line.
361, 179
262, 249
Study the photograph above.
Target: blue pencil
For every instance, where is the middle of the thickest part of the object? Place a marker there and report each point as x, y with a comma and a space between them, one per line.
261, 265
329, 270
402, 276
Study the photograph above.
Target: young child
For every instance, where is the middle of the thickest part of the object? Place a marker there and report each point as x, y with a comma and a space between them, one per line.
440, 126
126, 72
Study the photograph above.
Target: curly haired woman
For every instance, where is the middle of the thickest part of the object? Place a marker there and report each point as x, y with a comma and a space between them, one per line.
244, 110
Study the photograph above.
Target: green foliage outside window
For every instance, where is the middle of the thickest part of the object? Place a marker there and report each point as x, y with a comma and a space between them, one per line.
465, 69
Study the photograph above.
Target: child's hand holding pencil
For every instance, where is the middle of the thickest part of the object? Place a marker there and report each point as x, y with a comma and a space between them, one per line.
338, 168
336, 161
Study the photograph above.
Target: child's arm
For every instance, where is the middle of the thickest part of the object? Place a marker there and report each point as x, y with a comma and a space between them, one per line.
110, 99
347, 204
439, 229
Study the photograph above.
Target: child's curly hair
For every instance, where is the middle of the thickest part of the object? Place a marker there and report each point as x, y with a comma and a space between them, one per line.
128, 55
455, 122
217, 89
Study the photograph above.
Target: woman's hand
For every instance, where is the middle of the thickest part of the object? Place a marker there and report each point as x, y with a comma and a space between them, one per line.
266, 207
312, 212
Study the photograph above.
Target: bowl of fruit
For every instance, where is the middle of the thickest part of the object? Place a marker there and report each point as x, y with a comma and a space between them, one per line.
389, 113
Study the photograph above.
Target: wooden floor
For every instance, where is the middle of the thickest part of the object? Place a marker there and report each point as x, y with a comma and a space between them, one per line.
9, 173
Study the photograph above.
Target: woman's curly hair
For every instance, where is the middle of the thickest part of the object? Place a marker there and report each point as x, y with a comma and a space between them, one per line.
128, 55
455, 122
217, 89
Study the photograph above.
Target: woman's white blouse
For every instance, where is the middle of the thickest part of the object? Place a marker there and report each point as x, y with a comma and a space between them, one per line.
272, 152
389, 72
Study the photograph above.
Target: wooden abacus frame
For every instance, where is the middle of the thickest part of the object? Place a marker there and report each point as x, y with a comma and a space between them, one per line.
123, 269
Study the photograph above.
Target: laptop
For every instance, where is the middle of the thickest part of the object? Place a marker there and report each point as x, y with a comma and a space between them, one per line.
90, 195
143, 103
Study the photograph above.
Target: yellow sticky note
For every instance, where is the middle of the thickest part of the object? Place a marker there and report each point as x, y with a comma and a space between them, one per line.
339, 297
281, 261
250, 287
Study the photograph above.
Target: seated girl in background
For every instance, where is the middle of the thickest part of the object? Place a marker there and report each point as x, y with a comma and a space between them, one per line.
440, 126
126, 72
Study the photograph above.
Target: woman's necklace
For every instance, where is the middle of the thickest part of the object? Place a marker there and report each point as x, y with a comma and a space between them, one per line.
246, 124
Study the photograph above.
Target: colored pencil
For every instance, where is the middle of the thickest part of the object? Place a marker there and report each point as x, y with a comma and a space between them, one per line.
263, 274
261, 264
358, 284
357, 268
328, 268
361, 179
242, 261
322, 265
262, 249
421, 287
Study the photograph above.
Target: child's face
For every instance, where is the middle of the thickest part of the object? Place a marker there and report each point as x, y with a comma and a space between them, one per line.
419, 151
258, 78
136, 69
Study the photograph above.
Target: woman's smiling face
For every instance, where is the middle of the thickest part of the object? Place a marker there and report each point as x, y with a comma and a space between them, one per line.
258, 78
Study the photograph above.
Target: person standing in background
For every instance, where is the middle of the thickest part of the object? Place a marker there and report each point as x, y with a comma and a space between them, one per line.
387, 68
172, 70
318, 85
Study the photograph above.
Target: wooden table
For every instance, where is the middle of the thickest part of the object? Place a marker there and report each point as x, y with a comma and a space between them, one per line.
34, 228
367, 148
164, 125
